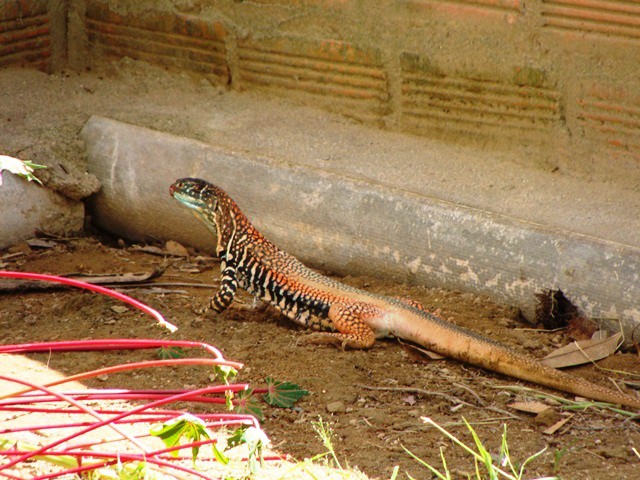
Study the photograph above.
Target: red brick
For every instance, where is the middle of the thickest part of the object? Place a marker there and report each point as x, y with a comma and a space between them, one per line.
173, 40
25, 36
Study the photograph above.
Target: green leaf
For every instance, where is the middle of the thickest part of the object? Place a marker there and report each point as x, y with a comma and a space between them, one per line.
170, 434
188, 426
225, 373
167, 353
23, 168
132, 471
220, 456
255, 439
237, 437
283, 394
246, 404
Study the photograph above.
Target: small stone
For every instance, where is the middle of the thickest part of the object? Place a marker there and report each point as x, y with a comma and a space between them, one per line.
103, 378
336, 407
174, 248
530, 344
119, 309
619, 453
505, 322
547, 417
23, 248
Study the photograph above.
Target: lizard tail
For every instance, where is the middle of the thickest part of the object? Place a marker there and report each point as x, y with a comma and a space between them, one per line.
448, 339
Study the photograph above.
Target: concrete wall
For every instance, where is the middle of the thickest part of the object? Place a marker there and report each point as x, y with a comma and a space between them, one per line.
556, 80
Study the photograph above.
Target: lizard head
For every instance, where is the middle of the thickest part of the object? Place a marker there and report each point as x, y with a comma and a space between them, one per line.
197, 194
212, 206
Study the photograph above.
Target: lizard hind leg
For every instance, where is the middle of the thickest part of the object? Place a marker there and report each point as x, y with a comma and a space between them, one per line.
418, 305
349, 319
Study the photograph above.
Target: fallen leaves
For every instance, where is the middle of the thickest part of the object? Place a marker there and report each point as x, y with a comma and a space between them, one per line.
583, 351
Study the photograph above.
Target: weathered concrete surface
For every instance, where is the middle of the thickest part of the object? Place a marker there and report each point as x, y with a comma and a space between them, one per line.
26, 207
347, 225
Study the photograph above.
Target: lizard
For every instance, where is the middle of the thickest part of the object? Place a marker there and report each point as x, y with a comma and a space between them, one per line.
345, 315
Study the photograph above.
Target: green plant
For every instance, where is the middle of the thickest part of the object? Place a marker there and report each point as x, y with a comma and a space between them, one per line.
325, 433
22, 168
190, 428
124, 471
557, 456
481, 456
255, 439
277, 394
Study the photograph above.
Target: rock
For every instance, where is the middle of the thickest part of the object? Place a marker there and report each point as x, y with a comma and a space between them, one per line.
336, 407
547, 417
72, 182
27, 207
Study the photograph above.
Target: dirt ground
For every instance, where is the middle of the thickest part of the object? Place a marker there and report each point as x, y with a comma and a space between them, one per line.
374, 399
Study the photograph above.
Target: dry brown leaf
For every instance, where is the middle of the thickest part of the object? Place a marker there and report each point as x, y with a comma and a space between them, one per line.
557, 426
420, 353
42, 243
530, 407
583, 351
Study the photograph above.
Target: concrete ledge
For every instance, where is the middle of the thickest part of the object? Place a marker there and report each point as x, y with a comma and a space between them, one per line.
347, 225
27, 207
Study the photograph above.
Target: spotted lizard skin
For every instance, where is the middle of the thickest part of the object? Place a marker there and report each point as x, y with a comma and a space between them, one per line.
346, 315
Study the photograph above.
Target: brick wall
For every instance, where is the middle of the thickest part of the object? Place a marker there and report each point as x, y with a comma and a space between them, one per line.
557, 79
25, 34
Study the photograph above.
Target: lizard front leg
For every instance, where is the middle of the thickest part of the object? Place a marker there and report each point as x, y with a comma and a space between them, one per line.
350, 321
228, 287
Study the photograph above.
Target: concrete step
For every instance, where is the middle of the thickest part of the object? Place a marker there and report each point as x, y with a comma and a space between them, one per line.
350, 225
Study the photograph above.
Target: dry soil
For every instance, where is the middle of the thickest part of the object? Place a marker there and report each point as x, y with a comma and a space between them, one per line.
374, 399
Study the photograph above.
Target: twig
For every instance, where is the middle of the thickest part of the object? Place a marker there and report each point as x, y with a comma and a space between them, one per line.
471, 391
107, 279
95, 288
420, 391
171, 284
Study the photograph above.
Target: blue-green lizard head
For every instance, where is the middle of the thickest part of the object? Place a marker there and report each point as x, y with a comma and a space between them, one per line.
212, 206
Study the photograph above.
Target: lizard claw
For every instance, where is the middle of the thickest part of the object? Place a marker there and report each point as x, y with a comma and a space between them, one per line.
339, 340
